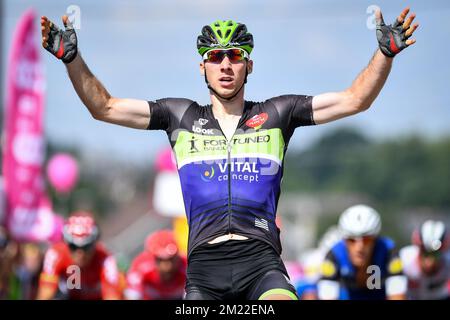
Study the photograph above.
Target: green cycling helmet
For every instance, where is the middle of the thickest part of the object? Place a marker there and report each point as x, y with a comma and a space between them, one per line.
224, 34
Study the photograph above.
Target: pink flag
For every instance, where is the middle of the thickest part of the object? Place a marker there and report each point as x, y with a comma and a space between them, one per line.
29, 215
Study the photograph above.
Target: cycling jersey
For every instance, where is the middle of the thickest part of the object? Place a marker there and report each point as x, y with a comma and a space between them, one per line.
97, 280
231, 186
144, 281
339, 274
420, 285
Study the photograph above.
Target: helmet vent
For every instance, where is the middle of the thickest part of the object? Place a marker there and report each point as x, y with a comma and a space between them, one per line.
228, 33
219, 33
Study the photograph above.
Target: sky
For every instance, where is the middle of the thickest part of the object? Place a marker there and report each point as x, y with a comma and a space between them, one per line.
147, 50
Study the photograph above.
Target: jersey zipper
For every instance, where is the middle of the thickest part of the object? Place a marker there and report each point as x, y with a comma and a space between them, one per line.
229, 147
229, 182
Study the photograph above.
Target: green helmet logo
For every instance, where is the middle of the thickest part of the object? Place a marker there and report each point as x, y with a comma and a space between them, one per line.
224, 34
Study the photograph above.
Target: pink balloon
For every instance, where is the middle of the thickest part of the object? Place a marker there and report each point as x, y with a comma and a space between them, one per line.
165, 161
62, 171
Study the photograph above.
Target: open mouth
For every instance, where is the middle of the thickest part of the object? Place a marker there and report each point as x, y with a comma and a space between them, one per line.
226, 81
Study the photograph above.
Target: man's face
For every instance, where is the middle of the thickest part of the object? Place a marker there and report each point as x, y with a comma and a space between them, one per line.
226, 76
429, 262
167, 267
82, 256
360, 250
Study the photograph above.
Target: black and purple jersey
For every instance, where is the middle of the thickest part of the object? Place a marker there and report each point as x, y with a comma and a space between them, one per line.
231, 186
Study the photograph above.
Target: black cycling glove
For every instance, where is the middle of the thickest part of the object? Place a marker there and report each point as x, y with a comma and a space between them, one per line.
392, 38
62, 44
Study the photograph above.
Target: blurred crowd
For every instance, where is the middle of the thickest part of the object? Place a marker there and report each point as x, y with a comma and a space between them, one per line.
353, 261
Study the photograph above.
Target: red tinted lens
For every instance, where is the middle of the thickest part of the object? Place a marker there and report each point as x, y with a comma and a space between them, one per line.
366, 239
235, 55
216, 56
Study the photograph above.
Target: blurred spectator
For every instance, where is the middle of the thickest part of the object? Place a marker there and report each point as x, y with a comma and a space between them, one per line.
426, 262
29, 269
80, 267
362, 266
159, 272
9, 282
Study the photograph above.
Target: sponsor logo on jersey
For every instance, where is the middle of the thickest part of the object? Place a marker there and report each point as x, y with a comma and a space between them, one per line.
328, 269
239, 170
193, 147
207, 175
257, 121
197, 127
395, 266
214, 145
202, 131
262, 223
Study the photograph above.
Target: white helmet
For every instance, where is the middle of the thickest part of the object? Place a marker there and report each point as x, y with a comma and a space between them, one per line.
358, 221
432, 236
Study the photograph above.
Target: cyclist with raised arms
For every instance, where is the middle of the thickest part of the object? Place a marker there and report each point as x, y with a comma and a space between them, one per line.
230, 153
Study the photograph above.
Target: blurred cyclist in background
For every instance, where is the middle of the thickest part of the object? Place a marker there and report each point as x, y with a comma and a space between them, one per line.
158, 273
426, 263
345, 270
99, 277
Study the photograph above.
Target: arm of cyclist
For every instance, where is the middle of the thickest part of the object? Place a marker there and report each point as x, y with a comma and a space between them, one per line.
111, 280
46, 292
396, 281
135, 280
368, 84
328, 287
102, 106
50, 275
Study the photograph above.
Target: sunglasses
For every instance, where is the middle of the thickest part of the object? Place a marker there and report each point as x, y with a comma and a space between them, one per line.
159, 260
73, 247
365, 239
433, 254
217, 55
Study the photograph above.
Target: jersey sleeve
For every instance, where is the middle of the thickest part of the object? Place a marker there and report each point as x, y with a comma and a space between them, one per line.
166, 114
52, 269
328, 286
110, 279
294, 110
396, 282
395, 264
329, 269
135, 280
